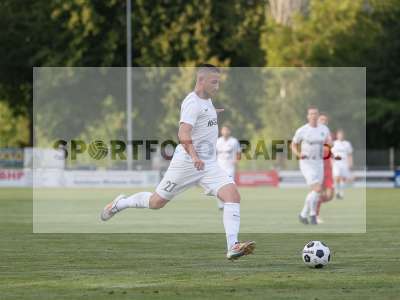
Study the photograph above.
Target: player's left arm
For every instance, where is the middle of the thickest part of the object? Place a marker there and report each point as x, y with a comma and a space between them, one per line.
238, 152
238, 156
329, 143
350, 160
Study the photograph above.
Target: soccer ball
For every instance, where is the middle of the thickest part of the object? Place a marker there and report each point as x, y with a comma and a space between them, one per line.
316, 254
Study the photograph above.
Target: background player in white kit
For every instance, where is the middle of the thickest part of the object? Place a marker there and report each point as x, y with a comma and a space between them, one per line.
343, 153
228, 154
311, 138
194, 163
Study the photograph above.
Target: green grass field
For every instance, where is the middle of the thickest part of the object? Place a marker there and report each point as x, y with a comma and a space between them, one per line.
193, 266
263, 210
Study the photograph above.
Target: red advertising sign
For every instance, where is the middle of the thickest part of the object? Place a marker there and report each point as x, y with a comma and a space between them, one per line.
10, 175
14, 178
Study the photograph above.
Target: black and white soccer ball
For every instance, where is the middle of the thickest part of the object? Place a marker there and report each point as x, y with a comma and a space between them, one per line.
316, 254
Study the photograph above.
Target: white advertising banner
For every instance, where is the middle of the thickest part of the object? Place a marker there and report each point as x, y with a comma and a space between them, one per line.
94, 179
110, 178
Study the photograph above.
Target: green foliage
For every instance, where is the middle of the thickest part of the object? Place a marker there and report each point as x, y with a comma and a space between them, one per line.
334, 33
185, 33
348, 33
13, 129
384, 79
193, 266
171, 33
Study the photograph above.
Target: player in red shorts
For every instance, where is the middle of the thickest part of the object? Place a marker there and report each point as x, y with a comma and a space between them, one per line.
328, 189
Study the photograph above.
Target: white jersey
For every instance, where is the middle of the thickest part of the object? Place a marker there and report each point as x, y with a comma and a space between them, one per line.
312, 140
201, 114
342, 149
227, 149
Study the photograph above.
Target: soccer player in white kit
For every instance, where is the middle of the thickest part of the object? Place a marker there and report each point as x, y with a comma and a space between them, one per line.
194, 163
311, 138
343, 154
228, 154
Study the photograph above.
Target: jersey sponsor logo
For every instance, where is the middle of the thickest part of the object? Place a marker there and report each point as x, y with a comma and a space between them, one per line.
212, 122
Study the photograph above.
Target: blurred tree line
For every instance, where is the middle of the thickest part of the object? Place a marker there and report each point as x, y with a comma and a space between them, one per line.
238, 33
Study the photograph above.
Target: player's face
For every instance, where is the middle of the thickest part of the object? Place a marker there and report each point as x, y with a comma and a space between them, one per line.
340, 135
225, 132
211, 84
312, 116
323, 120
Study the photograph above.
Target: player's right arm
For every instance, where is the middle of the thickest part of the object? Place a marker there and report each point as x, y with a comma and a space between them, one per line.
335, 153
189, 114
295, 145
185, 138
296, 150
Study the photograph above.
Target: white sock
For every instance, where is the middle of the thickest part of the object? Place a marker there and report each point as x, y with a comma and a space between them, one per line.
306, 207
312, 199
138, 200
231, 223
341, 188
220, 204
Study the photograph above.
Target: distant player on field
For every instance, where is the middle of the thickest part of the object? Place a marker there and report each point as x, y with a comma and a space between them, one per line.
343, 153
228, 154
327, 185
195, 163
311, 139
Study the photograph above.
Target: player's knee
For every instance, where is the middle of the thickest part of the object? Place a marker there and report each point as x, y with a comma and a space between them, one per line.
229, 193
157, 202
234, 197
329, 195
317, 188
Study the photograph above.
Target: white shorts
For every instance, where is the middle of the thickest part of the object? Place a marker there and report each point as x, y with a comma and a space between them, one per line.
230, 171
182, 174
312, 170
341, 170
